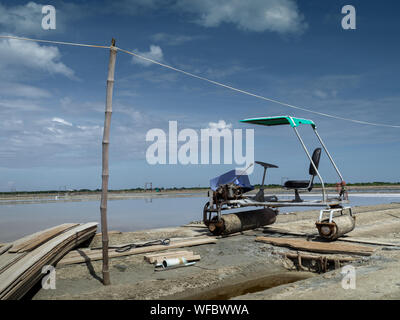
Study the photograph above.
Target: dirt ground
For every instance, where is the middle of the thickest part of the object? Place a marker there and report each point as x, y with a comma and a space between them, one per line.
238, 267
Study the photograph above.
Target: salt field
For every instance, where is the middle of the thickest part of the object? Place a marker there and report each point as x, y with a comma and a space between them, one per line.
18, 220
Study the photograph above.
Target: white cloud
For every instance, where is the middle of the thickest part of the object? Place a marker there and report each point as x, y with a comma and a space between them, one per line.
24, 19
155, 53
12, 124
65, 102
11, 106
132, 7
62, 121
221, 124
282, 16
174, 39
88, 128
320, 94
22, 90
31, 55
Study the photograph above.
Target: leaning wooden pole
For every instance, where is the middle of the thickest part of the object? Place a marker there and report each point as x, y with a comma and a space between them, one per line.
105, 174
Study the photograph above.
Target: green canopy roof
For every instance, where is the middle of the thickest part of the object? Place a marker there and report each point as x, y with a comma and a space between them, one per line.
279, 120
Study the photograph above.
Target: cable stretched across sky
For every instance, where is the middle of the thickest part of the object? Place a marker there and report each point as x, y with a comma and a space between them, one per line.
210, 81
56, 42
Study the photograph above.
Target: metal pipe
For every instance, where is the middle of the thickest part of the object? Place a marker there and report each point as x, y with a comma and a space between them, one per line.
312, 162
329, 156
263, 179
173, 263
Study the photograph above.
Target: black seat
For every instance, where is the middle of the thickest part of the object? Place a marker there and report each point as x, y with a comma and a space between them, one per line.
297, 184
305, 184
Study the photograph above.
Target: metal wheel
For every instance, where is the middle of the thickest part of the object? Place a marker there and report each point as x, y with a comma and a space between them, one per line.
206, 218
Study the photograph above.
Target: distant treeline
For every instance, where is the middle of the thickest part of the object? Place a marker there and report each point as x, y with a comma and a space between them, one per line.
159, 189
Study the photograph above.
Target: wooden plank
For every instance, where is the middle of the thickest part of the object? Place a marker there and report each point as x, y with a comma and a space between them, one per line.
32, 241
8, 259
151, 257
345, 238
167, 255
140, 242
20, 243
369, 241
5, 248
189, 258
316, 246
28, 268
80, 257
288, 232
89, 251
109, 232
72, 257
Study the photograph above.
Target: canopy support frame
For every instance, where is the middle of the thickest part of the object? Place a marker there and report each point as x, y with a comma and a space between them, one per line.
313, 164
329, 155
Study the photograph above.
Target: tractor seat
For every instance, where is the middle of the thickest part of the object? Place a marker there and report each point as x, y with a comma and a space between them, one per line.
305, 184
296, 184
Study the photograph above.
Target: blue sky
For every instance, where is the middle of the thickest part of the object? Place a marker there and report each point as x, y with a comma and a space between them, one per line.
52, 97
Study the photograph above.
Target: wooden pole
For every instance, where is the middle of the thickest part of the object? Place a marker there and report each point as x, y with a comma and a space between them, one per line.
105, 174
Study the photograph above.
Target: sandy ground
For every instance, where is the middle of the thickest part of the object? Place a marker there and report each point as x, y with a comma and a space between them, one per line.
240, 268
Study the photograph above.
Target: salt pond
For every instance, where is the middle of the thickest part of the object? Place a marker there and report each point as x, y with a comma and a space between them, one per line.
17, 220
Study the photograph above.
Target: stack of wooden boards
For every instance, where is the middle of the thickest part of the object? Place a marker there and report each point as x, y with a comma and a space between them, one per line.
88, 255
22, 262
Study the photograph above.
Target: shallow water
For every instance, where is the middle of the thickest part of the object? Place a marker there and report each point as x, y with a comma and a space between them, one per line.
17, 220
229, 291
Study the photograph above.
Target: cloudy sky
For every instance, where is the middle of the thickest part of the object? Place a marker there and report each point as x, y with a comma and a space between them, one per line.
52, 97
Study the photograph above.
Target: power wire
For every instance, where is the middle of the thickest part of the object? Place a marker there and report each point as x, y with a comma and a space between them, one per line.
56, 42
207, 80
253, 94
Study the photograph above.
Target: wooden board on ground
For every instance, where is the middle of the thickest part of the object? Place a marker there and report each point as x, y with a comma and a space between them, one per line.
5, 247
152, 256
16, 280
286, 231
376, 242
109, 232
8, 259
316, 246
188, 258
32, 241
77, 256
345, 238
158, 258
